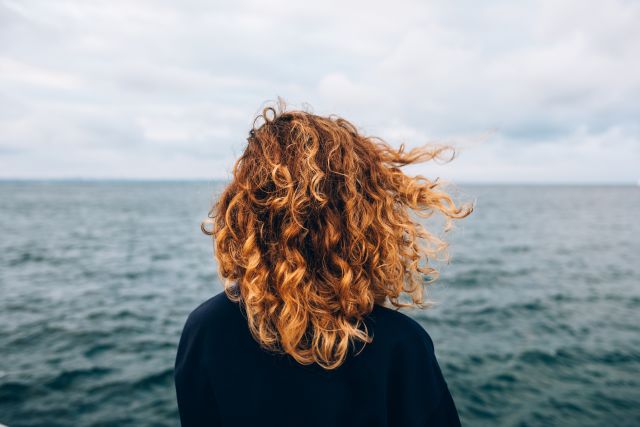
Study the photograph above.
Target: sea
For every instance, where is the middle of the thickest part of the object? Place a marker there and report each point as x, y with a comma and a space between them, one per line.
536, 320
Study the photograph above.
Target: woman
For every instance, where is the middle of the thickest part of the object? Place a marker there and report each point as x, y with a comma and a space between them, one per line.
314, 239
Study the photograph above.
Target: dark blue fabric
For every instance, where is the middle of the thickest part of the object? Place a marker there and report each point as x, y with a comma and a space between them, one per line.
224, 378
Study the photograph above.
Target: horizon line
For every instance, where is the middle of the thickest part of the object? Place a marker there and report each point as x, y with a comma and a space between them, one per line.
5, 180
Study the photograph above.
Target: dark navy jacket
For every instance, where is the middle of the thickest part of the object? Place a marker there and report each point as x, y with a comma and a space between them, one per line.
224, 378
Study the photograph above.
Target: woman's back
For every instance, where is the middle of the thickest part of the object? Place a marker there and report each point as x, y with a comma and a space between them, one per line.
314, 235
224, 378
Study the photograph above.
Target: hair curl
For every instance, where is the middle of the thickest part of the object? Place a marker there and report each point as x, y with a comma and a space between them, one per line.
315, 228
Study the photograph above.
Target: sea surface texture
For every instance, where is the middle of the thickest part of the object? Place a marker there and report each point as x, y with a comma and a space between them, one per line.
537, 321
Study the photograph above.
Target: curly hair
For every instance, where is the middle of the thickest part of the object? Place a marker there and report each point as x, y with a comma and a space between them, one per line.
315, 228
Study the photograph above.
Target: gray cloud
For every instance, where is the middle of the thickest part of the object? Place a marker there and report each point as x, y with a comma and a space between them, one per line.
533, 91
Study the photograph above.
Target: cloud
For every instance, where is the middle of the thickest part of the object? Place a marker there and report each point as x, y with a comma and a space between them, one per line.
163, 89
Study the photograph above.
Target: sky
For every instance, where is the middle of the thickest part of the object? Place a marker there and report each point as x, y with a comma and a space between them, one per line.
526, 92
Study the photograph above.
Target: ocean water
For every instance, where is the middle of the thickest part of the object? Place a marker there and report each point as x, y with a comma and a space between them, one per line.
537, 321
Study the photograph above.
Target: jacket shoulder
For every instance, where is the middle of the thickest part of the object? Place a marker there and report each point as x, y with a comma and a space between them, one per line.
404, 328
216, 313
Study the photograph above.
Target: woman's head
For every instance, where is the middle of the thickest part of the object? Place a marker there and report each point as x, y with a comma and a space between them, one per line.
315, 228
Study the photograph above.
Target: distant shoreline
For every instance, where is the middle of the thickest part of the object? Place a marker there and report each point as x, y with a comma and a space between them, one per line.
222, 181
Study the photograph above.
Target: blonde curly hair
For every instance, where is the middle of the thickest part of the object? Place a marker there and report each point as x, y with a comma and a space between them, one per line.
315, 228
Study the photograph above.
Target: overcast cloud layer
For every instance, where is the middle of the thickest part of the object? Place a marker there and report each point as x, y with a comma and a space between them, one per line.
546, 91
